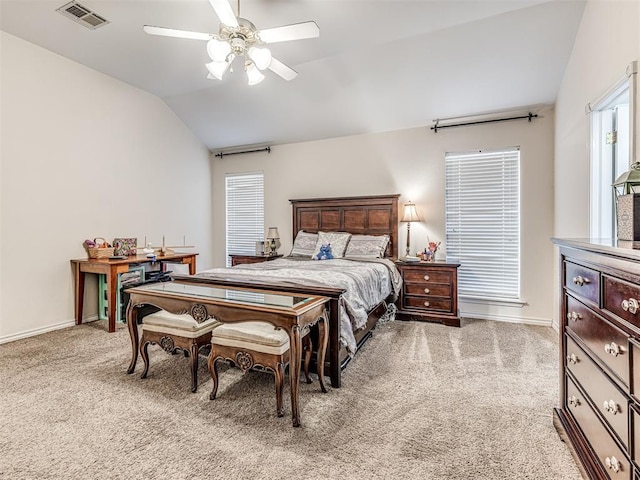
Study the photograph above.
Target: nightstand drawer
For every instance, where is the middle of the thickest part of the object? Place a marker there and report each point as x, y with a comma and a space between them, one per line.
423, 276
438, 289
427, 303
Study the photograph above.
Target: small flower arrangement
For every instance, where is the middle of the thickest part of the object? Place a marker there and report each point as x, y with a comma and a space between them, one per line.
429, 254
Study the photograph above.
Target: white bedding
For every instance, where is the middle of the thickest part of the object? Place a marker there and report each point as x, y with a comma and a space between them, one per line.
367, 283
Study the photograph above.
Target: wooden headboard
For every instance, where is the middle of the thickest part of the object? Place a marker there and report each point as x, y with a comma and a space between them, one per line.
372, 215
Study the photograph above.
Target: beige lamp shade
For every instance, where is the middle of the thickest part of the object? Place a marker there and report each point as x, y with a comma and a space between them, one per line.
410, 213
273, 233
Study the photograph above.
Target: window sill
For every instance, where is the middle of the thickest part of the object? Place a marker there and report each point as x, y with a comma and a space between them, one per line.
505, 302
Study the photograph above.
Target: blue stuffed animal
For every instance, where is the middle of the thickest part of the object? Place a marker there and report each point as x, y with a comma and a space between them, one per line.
325, 252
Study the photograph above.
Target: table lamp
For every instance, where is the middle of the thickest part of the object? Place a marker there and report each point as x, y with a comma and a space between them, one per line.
410, 215
274, 240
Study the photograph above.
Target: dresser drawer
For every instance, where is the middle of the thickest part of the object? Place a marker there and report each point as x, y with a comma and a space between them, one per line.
424, 276
614, 461
622, 299
436, 289
427, 303
608, 343
608, 400
582, 281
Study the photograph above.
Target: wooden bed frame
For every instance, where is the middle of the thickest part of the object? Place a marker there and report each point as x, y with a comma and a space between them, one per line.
370, 215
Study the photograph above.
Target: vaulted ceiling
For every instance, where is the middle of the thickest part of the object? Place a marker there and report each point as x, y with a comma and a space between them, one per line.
377, 66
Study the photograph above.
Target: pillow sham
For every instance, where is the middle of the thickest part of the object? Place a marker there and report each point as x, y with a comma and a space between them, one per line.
367, 246
337, 240
304, 244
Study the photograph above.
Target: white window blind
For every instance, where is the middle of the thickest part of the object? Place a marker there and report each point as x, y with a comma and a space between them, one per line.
482, 206
245, 213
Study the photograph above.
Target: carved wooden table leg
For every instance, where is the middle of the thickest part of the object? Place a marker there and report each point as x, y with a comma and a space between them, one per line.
214, 375
193, 361
132, 324
295, 347
323, 330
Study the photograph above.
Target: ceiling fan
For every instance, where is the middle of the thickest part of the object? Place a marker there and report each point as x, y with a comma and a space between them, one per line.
238, 37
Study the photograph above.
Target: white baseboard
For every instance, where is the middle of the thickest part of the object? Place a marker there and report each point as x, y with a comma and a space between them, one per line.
544, 322
39, 331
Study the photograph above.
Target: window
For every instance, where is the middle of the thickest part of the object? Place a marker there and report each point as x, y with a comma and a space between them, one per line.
245, 213
610, 151
482, 209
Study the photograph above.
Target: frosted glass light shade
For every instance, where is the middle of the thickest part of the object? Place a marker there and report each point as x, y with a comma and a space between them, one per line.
218, 50
260, 56
218, 69
253, 74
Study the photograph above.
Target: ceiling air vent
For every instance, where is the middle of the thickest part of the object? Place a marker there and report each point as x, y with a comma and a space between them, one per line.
82, 15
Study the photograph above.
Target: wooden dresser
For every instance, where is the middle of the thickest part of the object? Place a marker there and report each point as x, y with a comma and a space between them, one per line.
429, 292
599, 412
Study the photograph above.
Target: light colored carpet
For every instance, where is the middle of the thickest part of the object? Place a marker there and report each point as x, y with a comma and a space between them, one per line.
420, 401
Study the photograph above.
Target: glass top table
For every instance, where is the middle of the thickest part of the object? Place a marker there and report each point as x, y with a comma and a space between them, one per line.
291, 312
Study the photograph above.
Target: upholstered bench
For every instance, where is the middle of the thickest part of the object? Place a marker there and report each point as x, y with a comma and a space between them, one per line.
173, 332
255, 345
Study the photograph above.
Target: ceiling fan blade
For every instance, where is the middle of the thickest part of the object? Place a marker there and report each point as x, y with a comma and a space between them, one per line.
277, 67
170, 32
296, 31
224, 12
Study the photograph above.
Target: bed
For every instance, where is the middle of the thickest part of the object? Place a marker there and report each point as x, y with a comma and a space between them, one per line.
370, 215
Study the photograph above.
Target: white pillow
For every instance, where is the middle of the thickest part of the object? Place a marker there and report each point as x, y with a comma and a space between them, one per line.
337, 240
367, 246
304, 244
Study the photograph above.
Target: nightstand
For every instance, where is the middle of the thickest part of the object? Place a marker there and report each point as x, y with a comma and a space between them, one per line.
429, 292
240, 259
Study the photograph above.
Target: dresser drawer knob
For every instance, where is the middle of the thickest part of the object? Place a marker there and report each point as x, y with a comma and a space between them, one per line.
426, 277
426, 290
426, 304
630, 306
575, 316
580, 280
573, 400
572, 358
611, 407
613, 349
613, 463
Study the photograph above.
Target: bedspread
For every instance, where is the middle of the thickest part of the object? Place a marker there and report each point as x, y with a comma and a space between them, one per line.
366, 284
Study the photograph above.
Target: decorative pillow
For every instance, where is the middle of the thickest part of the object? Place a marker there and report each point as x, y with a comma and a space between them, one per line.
324, 253
304, 244
337, 240
367, 246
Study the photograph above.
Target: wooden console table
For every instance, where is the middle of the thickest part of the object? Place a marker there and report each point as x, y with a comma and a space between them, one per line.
294, 313
111, 268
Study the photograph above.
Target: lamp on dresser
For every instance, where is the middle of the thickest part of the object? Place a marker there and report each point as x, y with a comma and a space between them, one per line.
409, 215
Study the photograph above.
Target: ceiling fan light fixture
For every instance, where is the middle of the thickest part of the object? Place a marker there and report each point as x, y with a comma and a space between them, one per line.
260, 56
253, 74
218, 50
218, 69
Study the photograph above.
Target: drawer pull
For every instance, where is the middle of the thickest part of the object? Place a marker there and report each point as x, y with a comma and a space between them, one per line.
611, 407
575, 316
572, 358
613, 463
574, 401
426, 290
630, 306
613, 349
580, 280
426, 304
426, 277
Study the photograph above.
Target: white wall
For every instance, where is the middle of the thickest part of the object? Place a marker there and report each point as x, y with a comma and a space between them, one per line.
84, 155
607, 41
411, 163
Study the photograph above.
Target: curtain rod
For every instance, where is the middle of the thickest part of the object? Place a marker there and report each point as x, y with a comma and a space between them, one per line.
437, 126
265, 149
